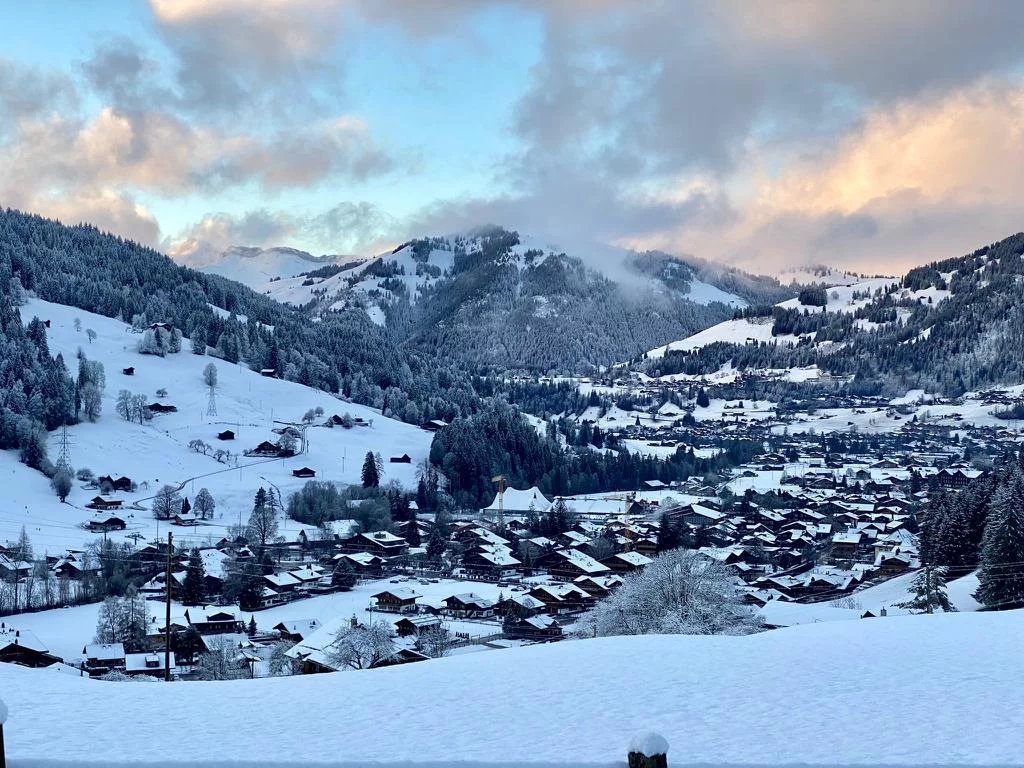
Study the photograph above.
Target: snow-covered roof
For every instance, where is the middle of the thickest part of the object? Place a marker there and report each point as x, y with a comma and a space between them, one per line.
516, 500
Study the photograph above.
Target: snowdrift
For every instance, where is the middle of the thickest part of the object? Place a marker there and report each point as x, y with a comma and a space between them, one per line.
899, 691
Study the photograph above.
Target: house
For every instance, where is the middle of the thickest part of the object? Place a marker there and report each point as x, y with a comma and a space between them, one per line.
405, 458
846, 545
397, 600
297, 629
469, 605
149, 664
598, 586
626, 562
409, 626
533, 628
562, 598
188, 518
212, 622
434, 425
227, 434
105, 523
268, 449
129, 371
362, 563
162, 408
24, 648
304, 472
101, 658
98, 502
380, 543
571, 563
162, 326
270, 373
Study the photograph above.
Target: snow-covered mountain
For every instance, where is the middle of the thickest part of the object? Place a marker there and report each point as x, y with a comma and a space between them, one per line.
254, 267
500, 298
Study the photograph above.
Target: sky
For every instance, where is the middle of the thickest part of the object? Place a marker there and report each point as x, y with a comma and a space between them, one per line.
869, 136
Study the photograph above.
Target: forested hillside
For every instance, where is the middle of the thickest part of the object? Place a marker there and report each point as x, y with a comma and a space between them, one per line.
344, 353
959, 330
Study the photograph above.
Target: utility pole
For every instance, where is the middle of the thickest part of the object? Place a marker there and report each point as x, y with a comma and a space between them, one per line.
167, 617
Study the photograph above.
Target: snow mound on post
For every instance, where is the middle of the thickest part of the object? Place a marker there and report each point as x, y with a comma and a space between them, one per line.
649, 744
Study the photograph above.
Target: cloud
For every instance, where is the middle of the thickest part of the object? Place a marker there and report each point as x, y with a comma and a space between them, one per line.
106, 209
347, 227
246, 55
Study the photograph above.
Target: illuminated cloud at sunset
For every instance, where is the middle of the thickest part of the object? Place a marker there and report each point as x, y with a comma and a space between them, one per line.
766, 135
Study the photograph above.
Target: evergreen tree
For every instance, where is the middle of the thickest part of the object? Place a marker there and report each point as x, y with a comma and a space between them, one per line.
194, 586
435, 546
412, 530
1001, 578
929, 590
668, 534
370, 473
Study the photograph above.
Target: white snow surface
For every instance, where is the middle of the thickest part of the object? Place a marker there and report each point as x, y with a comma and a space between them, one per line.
158, 452
899, 691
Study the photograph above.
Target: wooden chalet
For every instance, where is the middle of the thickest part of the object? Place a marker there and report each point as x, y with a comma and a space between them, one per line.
103, 523
412, 626
101, 658
115, 484
469, 606
212, 622
397, 600
304, 472
162, 408
227, 434
380, 543
295, 631
626, 562
23, 648
151, 664
129, 371
405, 458
533, 628
98, 502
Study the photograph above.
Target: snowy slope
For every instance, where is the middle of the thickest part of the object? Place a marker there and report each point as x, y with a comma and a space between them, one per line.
158, 453
899, 691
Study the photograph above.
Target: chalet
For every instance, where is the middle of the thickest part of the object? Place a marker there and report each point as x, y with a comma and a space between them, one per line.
380, 543
469, 606
598, 586
846, 545
362, 563
304, 472
892, 563
434, 425
295, 631
496, 561
405, 458
162, 408
562, 598
101, 658
518, 604
409, 626
283, 583
698, 516
270, 373
186, 519
397, 600
22, 647
266, 449
533, 628
105, 523
571, 563
162, 326
98, 502
120, 484
149, 664
212, 622
129, 371
227, 434
626, 562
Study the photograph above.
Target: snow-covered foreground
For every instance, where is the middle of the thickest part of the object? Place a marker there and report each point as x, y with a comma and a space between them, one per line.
158, 453
899, 691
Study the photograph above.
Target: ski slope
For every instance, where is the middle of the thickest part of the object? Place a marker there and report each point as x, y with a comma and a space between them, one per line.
157, 453
899, 691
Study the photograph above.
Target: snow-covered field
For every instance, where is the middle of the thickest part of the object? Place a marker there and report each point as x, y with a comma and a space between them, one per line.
899, 691
158, 453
